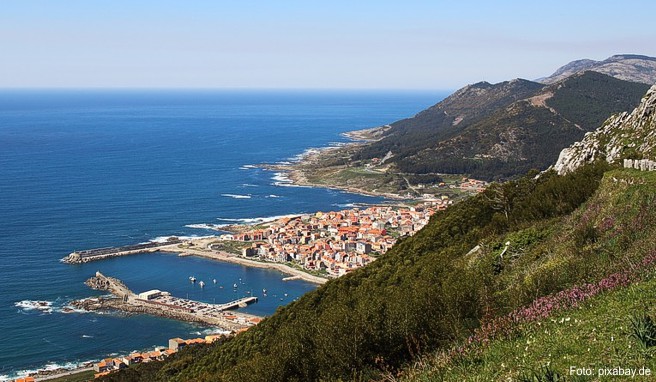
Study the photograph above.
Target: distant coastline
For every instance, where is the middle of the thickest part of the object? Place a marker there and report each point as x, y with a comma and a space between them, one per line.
297, 173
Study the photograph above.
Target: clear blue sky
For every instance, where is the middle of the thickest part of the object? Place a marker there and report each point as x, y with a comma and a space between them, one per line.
407, 44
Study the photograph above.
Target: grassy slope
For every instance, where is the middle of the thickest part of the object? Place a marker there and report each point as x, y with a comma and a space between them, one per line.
594, 335
426, 295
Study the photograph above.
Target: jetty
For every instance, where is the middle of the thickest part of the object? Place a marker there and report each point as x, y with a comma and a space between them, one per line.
162, 304
240, 303
78, 257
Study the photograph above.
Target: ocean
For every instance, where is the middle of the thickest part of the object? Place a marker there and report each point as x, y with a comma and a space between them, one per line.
83, 169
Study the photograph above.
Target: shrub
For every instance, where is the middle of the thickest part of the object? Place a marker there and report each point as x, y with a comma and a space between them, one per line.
643, 330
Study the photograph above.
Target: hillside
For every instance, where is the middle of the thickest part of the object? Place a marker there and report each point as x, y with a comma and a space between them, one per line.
623, 136
434, 289
628, 67
499, 131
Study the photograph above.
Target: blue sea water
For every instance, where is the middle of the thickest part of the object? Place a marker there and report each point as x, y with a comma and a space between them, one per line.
86, 169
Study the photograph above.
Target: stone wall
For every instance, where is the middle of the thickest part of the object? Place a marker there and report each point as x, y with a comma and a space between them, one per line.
640, 164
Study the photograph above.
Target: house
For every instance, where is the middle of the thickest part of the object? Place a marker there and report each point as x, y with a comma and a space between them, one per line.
177, 343
363, 247
103, 366
249, 252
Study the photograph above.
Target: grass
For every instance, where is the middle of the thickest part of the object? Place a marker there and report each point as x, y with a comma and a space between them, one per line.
596, 335
232, 246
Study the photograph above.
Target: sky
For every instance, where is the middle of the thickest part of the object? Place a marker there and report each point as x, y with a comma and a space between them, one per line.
308, 44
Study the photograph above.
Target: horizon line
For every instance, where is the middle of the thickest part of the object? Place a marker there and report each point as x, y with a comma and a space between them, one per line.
209, 89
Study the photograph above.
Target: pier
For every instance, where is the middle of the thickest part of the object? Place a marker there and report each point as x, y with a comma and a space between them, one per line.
78, 257
162, 304
241, 303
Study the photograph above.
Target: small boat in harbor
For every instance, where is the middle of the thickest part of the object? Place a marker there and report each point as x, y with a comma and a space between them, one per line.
202, 284
192, 279
264, 291
234, 286
214, 281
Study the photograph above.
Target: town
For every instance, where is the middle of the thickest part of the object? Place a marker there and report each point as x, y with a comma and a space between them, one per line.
335, 243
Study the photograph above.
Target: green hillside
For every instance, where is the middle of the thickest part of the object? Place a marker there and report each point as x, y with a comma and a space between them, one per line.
433, 290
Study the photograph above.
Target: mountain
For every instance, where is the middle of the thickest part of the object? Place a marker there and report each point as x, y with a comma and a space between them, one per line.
622, 136
503, 130
628, 67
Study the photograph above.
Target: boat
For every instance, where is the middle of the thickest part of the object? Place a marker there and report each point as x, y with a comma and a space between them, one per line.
264, 291
192, 279
214, 281
234, 286
202, 284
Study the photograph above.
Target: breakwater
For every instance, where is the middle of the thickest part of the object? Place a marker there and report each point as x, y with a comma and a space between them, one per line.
88, 255
162, 304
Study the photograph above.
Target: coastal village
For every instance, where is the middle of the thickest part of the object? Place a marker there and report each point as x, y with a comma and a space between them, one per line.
335, 243
110, 365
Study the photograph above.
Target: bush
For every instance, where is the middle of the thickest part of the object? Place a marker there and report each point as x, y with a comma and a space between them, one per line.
643, 330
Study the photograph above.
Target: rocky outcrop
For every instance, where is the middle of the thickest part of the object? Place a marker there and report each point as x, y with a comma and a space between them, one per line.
627, 67
110, 284
623, 136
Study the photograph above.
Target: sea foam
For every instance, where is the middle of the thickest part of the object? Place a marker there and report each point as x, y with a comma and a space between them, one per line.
258, 220
236, 196
39, 305
164, 239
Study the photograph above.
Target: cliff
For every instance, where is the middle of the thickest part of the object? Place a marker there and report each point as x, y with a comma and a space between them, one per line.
622, 136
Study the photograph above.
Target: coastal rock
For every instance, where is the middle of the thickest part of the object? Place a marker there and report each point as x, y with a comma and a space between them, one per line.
622, 136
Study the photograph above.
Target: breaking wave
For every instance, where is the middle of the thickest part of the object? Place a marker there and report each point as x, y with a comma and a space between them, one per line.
236, 196
164, 239
35, 305
258, 220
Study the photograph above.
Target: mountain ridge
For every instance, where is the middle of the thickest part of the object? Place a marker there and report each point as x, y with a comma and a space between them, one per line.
497, 131
628, 67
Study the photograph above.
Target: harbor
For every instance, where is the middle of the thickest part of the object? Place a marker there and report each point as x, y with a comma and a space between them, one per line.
200, 247
162, 304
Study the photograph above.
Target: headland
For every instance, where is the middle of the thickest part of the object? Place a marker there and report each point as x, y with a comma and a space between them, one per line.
334, 167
